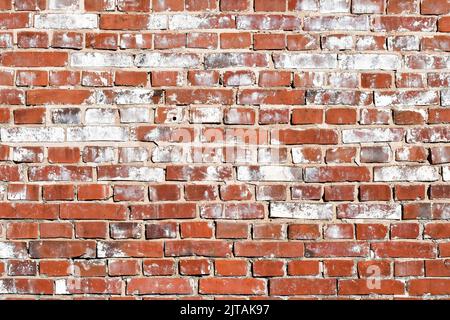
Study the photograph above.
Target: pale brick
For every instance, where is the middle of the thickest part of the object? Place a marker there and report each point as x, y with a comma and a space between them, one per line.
445, 97
134, 96
21, 154
334, 6
133, 154
100, 116
337, 42
406, 98
100, 154
305, 61
11, 250
167, 60
64, 4
446, 173
100, 59
368, 6
297, 210
65, 21
32, 134
370, 211
406, 173
7, 40
370, 61
134, 115
305, 5
372, 135
206, 115
97, 133
157, 22
337, 23
187, 21
269, 173
404, 43
236, 59
428, 134
168, 154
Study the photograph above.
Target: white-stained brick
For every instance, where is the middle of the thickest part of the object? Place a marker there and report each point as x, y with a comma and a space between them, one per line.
446, 173
445, 97
370, 61
167, 60
236, 59
9, 250
133, 154
267, 22
404, 43
32, 134
134, 96
335, 23
2, 192
157, 22
96, 79
338, 97
428, 134
7, 40
61, 286
427, 61
370, 211
240, 79
206, 115
102, 154
270, 155
100, 116
305, 61
175, 115
134, 115
64, 4
337, 42
334, 6
185, 21
66, 116
188, 21
205, 154
169, 154
298, 210
269, 173
97, 133
66, 21
299, 155
100, 59
372, 135
406, 98
367, 43
406, 173
306, 5
344, 80
367, 6
23, 154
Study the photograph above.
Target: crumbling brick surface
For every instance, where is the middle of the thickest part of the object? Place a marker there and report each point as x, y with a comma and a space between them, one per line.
224, 148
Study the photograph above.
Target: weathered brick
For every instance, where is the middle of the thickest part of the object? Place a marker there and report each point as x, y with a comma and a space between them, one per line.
297, 210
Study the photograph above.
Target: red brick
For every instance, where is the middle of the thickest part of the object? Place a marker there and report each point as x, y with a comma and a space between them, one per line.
232, 286
231, 267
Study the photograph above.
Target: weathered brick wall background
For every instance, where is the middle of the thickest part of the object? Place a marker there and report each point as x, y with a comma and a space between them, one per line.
232, 148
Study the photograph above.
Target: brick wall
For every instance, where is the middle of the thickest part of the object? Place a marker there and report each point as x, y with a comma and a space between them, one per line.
224, 148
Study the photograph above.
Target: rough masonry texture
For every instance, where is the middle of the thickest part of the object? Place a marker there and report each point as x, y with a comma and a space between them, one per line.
225, 148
